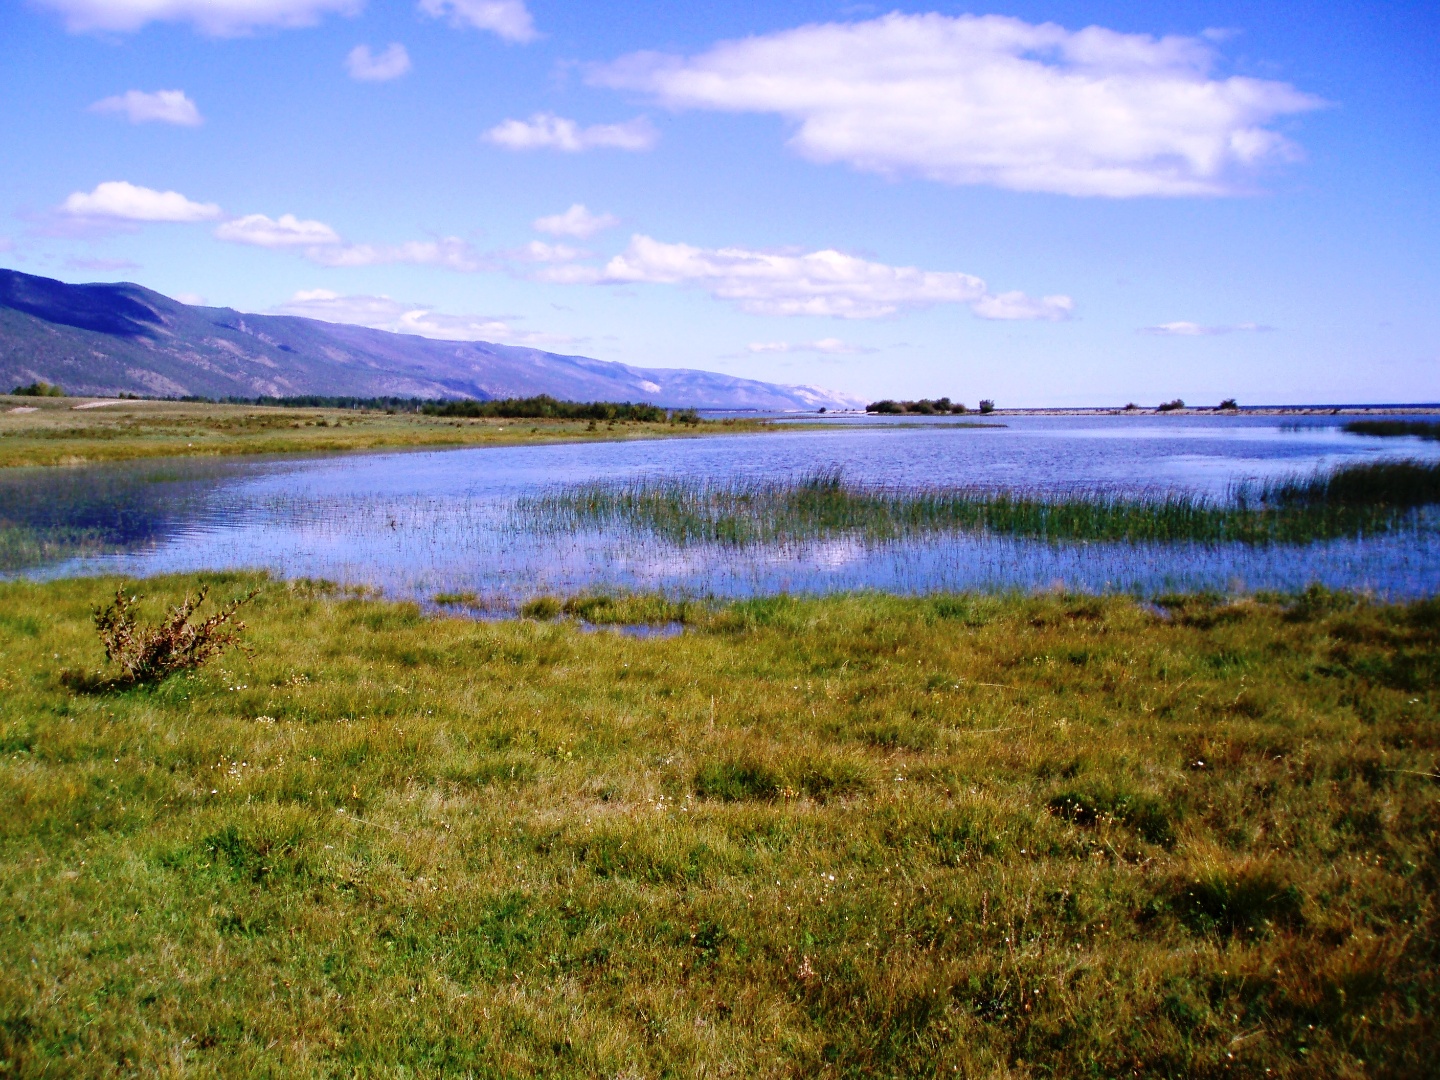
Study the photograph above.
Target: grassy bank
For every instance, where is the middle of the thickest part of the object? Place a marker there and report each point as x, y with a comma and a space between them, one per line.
52, 431
860, 836
1356, 500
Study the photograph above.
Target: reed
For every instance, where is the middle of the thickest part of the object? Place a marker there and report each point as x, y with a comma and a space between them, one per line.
1426, 429
1357, 500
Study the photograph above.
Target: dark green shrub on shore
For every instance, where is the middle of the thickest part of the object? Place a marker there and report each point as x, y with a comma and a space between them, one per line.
38, 389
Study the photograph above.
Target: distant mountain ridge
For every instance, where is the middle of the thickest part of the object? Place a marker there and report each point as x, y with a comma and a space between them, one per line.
106, 339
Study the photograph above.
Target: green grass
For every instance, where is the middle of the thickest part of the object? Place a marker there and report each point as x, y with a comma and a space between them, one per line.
1426, 429
53, 431
1356, 500
856, 836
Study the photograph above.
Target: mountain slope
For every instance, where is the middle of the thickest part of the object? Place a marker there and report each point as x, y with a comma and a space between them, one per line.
108, 339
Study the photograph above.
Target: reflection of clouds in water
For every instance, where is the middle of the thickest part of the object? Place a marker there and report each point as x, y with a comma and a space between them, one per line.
416, 524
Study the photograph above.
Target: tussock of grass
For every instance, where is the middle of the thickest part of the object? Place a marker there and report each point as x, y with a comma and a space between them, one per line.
859, 836
1351, 501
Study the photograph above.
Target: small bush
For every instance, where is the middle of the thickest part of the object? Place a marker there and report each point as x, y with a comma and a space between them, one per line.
1229, 405
148, 654
986, 405
38, 389
1171, 406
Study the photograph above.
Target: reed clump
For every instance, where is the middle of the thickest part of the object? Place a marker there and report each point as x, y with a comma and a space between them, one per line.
1425, 429
1355, 500
862, 835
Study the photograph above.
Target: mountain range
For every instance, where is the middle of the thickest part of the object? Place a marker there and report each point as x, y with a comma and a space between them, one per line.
108, 339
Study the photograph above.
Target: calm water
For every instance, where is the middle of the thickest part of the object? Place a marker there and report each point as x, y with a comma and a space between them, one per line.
418, 524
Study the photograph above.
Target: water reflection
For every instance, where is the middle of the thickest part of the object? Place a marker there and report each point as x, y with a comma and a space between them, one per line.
417, 524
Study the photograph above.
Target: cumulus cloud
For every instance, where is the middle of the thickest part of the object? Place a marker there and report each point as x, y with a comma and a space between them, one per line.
546, 131
288, 231
992, 100
577, 221
218, 18
194, 299
450, 253
828, 346
123, 201
390, 64
510, 19
163, 106
422, 320
778, 283
1190, 329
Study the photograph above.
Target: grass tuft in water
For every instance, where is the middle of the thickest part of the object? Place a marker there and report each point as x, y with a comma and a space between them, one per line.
1356, 500
1426, 429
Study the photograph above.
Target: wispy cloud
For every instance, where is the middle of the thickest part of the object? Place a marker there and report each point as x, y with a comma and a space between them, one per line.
122, 201
1190, 329
163, 107
825, 282
546, 131
449, 253
992, 100
509, 19
367, 67
827, 346
578, 221
102, 265
217, 18
422, 320
287, 231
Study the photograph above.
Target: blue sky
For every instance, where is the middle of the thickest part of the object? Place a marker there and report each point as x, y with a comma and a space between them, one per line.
1039, 203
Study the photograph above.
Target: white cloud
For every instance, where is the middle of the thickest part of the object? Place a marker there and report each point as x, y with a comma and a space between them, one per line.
829, 346
288, 231
546, 131
538, 251
163, 106
577, 221
124, 201
383, 313
1190, 329
191, 298
1016, 305
390, 64
778, 283
510, 19
992, 100
219, 18
450, 253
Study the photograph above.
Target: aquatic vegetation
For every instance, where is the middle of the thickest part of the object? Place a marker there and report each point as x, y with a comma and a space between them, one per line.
1425, 429
1355, 500
864, 835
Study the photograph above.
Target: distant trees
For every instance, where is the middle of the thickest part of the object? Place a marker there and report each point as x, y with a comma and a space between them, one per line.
924, 407
986, 405
1170, 406
1229, 405
38, 389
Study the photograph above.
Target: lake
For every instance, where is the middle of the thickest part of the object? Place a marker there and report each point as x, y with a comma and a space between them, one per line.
418, 524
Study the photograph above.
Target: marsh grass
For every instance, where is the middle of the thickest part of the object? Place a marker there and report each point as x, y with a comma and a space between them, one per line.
1425, 429
1356, 500
854, 836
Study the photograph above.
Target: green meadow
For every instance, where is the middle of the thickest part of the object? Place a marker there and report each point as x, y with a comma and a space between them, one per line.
855, 836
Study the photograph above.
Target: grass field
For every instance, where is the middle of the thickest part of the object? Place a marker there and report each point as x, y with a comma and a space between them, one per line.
52, 431
858, 836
